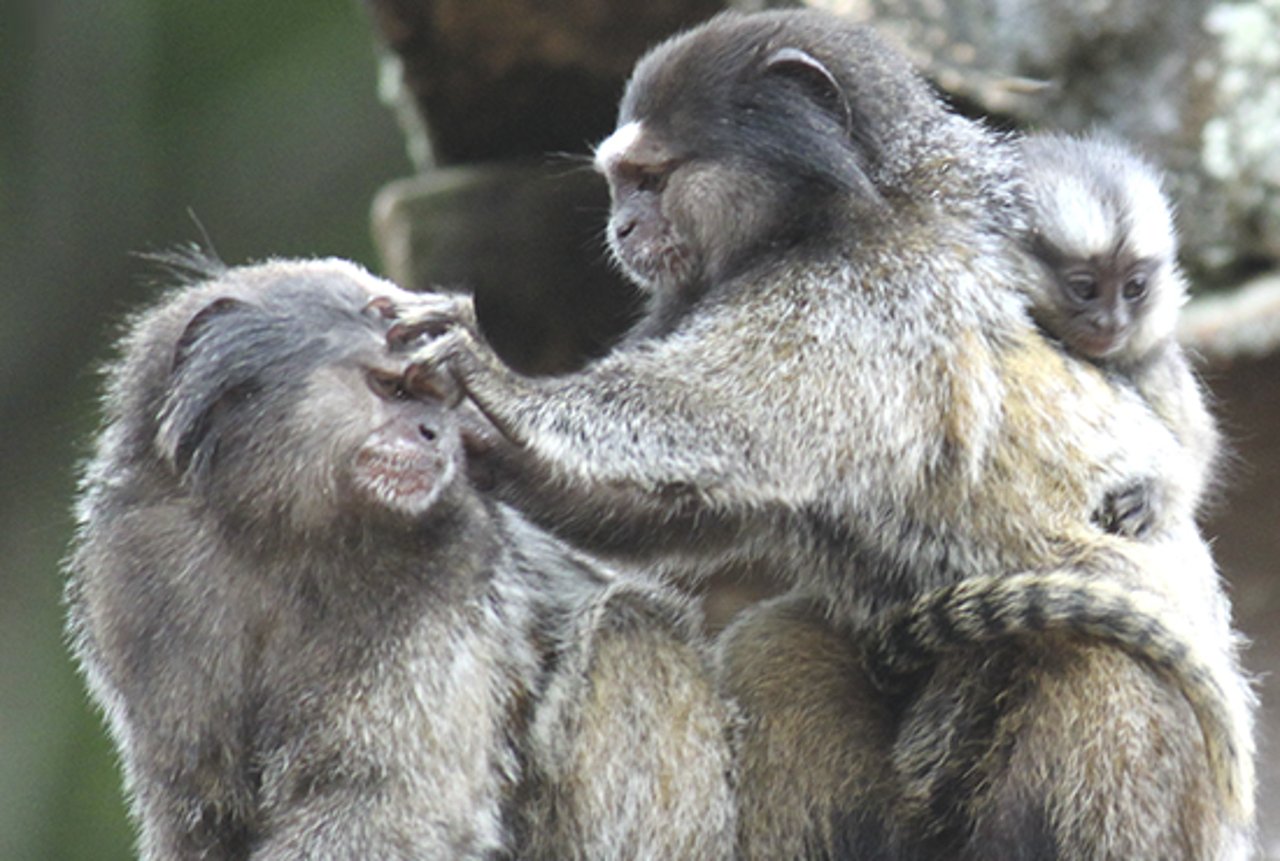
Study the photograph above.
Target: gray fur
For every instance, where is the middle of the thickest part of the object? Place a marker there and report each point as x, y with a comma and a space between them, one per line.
311, 636
839, 383
631, 738
282, 661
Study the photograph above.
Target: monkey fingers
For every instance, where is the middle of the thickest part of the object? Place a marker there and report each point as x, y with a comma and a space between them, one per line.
386, 299
430, 373
428, 315
1130, 510
477, 374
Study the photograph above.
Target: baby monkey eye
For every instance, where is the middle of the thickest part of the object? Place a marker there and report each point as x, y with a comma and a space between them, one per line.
387, 385
1135, 288
1083, 286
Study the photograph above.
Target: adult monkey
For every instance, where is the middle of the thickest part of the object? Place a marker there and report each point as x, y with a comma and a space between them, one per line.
837, 379
313, 637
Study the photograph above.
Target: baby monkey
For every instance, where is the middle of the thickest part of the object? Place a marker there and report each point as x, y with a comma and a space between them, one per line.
314, 638
1102, 227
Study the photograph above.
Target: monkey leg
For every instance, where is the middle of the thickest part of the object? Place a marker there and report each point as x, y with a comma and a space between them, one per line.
630, 748
813, 736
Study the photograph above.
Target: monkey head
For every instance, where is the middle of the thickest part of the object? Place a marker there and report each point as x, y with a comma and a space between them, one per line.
285, 406
1103, 230
748, 136
752, 138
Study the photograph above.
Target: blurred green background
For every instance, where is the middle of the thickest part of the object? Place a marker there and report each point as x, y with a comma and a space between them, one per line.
119, 118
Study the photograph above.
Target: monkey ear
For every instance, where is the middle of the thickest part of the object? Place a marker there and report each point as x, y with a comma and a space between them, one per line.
188, 412
197, 324
815, 78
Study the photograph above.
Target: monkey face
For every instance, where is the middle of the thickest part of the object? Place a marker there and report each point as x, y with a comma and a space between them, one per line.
1103, 302
707, 179
1103, 306
379, 443
642, 236
287, 410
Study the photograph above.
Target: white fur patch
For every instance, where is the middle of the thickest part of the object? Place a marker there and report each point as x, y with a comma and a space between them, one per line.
1151, 230
1092, 229
614, 147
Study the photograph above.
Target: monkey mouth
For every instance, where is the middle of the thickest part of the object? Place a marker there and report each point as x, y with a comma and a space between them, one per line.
401, 477
654, 264
1098, 345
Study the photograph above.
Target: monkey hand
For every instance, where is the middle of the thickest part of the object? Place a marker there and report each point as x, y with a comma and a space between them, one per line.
428, 315
450, 359
386, 298
1129, 511
440, 333
437, 348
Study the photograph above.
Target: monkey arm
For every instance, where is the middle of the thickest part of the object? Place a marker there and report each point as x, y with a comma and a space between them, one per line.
616, 460
701, 442
657, 434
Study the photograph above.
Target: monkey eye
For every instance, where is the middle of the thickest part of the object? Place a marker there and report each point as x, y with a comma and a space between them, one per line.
652, 181
1083, 286
646, 178
387, 385
1135, 288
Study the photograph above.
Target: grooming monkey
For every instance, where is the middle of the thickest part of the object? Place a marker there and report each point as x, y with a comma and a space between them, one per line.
1101, 227
313, 638
838, 381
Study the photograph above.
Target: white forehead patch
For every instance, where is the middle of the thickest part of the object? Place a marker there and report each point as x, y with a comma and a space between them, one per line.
1150, 223
1075, 220
615, 146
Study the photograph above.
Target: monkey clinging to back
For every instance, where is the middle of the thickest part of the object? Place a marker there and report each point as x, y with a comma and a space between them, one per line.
314, 639
1102, 228
838, 382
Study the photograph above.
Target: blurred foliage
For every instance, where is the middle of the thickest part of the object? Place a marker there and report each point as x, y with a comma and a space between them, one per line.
121, 118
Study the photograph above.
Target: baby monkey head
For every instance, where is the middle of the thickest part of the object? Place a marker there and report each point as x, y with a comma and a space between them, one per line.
286, 408
1103, 230
747, 136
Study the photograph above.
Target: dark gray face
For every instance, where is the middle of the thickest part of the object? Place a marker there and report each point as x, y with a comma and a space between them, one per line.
290, 412
733, 141
1101, 301
642, 232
